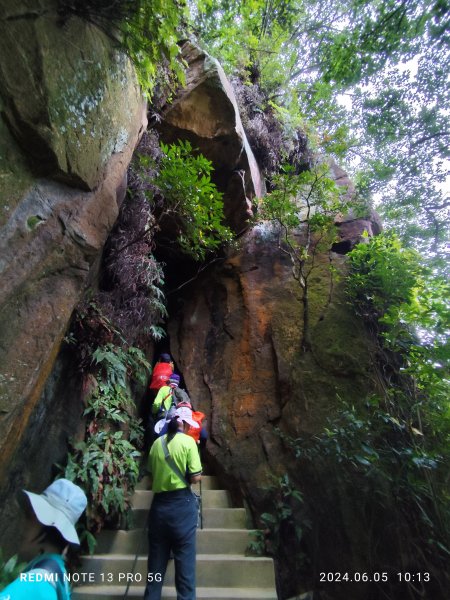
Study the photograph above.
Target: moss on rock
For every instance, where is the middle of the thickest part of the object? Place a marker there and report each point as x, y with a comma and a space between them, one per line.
15, 178
69, 97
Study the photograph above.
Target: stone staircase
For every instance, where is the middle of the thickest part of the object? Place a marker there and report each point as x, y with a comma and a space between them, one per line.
224, 572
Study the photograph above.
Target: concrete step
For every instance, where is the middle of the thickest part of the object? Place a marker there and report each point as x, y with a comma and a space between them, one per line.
142, 499
224, 518
224, 572
213, 570
209, 541
209, 482
213, 518
113, 592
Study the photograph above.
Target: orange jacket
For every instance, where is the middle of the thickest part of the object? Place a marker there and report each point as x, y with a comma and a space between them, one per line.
198, 418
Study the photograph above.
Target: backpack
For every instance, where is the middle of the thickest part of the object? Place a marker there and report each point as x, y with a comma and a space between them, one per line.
177, 395
194, 432
180, 395
162, 411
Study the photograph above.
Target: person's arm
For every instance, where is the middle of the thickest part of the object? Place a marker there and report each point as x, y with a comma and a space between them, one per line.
157, 401
194, 466
149, 465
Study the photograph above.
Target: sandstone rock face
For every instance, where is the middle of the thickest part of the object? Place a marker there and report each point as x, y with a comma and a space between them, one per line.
205, 112
237, 337
354, 230
72, 113
237, 342
69, 99
351, 229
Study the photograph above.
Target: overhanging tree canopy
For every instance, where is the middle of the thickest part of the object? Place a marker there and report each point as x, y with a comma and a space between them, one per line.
389, 59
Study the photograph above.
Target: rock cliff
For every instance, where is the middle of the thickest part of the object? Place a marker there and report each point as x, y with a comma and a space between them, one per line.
237, 340
205, 112
71, 115
236, 335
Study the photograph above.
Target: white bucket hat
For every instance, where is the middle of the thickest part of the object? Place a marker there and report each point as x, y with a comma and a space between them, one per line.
162, 422
185, 414
60, 505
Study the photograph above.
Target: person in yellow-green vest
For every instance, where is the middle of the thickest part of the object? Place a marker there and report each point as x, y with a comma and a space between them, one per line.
169, 395
174, 464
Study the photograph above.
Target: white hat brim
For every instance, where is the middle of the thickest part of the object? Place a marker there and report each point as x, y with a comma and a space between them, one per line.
47, 514
159, 425
191, 422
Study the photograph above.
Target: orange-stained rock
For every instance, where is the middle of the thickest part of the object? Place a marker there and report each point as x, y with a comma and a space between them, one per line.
237, 341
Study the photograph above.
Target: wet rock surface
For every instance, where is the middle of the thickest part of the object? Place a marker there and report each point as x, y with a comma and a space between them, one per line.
71, 115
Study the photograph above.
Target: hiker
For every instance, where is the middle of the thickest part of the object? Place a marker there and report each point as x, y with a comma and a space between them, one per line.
169, 395
50, 529
160, 378
173, 514
199, 434
161, 373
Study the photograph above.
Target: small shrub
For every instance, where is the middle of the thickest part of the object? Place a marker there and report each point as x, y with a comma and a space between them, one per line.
283, 526
177, 185
185, 182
